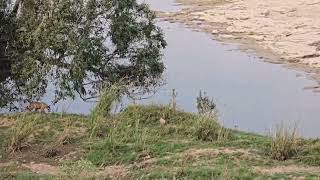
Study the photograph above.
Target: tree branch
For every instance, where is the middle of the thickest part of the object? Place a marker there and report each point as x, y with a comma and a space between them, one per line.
16, 7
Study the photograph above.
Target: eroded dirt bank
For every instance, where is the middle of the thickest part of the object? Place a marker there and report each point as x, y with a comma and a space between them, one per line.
285, 32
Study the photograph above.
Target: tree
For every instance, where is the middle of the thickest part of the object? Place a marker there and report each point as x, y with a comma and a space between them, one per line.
80, 46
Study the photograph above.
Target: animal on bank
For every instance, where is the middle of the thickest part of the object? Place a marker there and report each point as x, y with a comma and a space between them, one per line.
36, 106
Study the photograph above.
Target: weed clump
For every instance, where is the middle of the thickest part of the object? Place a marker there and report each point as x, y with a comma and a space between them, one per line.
20, 133
208, 129
284, 144
205, 105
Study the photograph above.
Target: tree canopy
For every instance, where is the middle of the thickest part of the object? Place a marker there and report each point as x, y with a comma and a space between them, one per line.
78, 46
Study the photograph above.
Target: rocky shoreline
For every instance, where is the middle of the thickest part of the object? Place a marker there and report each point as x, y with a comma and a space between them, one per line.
278, 31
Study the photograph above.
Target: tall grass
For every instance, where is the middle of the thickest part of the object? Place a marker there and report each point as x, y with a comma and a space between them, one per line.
284, 143
20, 133
108, 98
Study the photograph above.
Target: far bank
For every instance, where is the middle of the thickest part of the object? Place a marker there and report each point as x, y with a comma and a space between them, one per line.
280, 31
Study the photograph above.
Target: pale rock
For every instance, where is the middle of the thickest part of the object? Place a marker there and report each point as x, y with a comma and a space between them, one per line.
162, 121
257, 37
214, 31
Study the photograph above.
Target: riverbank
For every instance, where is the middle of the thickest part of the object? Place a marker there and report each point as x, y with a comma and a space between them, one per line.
279, 31
145, 142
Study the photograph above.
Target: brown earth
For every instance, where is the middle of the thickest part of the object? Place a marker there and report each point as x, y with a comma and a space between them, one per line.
113, 172
6, 122
287, 169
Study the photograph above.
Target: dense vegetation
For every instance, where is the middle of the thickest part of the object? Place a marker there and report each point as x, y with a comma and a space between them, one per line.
135, 145
103, 49
77, 47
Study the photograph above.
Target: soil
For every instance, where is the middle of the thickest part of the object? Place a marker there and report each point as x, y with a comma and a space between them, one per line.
287, 169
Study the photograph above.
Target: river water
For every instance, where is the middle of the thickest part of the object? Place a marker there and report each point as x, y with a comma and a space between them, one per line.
250, 93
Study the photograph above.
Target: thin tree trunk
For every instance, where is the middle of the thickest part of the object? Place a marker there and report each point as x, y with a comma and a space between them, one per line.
16, 8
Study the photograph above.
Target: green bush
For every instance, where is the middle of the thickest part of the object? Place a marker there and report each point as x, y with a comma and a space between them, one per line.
207, 129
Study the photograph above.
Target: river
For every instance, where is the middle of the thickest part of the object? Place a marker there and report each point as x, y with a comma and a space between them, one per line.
251, 94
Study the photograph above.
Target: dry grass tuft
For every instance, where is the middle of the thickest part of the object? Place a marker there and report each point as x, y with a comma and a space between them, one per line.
20, 134
284, 144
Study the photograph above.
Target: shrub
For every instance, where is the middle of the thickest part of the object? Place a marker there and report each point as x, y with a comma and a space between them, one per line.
205, 105
207, 129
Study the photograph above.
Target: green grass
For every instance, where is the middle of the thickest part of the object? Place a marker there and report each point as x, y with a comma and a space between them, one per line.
189, 146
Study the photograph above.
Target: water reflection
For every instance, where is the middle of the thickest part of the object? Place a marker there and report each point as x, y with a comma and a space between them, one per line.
249, 92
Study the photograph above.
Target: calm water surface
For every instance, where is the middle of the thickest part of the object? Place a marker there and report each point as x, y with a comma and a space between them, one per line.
250, 93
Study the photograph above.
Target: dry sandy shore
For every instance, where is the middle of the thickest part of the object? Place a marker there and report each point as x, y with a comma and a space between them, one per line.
286, 32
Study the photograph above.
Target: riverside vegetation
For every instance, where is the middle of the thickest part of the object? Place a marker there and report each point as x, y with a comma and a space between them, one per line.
79, 48
134, 145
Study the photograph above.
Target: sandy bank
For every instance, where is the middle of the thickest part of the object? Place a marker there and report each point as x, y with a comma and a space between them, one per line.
285, 32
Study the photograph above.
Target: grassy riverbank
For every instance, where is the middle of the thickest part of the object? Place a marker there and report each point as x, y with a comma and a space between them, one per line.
135, 145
